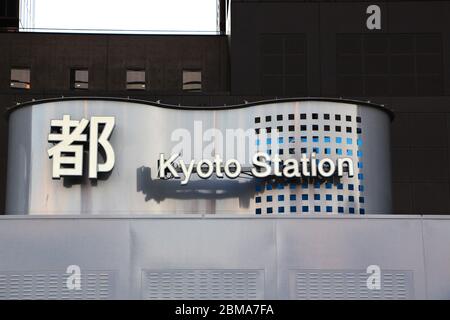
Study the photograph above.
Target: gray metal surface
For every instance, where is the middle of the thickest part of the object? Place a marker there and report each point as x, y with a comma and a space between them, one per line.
243, 256
143, 131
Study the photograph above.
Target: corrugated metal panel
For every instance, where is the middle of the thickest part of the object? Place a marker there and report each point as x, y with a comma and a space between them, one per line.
202, 284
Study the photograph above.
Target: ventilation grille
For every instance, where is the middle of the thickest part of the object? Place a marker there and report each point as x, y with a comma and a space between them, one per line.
349, 284
52, 285
202, 284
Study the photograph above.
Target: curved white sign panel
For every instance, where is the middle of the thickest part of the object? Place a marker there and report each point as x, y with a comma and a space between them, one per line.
117, 156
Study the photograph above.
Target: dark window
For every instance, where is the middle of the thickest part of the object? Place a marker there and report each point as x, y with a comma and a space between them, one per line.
326, 116
135, 80
20, 78
315, 116
280, 128
291, 128
389, 64
192, 80
338, 128
257, 120
337, 117
283, 64
303, 116
291, 116
268, 118
79, 78
279, 117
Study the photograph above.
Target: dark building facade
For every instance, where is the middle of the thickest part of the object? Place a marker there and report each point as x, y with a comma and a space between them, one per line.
270, 49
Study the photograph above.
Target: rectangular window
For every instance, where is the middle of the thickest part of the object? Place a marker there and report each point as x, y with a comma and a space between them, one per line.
79, 78
389, 64
135, 80
283, 64
192, 80
20, 78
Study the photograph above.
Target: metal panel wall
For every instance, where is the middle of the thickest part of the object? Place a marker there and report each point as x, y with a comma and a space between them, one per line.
330, 128
245, 257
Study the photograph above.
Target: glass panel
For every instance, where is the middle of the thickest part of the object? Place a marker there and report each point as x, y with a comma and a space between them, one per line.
135, 80
80, 79
192, 80
20, 78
